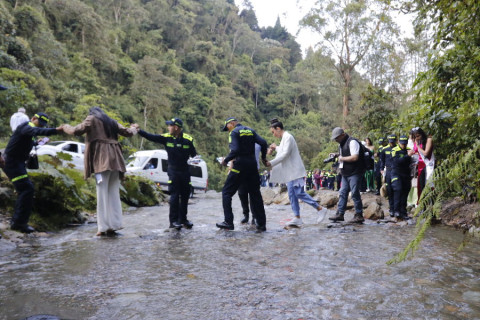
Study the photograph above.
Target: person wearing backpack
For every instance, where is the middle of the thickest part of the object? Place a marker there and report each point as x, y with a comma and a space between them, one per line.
352, 167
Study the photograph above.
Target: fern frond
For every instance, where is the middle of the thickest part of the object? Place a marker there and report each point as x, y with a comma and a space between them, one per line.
458, 175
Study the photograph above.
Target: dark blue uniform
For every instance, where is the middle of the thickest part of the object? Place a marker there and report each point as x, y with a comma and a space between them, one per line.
242, 141
401, 180
179, 150
386, 164
16, 153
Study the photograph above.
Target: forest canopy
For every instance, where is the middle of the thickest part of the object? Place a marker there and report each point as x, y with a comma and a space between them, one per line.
146, 61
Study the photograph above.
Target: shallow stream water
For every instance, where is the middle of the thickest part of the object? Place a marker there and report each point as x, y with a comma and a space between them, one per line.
313, 272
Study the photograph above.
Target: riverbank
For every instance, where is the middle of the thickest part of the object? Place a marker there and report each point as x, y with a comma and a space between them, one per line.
455, 213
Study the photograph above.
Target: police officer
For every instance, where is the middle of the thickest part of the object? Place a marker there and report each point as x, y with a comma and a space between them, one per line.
179, 147
242, 141
16, 153
378, 175
386, 165
401, 180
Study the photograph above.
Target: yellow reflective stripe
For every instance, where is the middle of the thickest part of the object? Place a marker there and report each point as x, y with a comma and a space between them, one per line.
167, 135
169, 181
20, 177
188, 137
169, 144
236, 171
245, 132
186, 146
394, 179
31, 124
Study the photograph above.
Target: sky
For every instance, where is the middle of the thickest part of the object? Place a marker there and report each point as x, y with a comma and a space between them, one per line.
290, 13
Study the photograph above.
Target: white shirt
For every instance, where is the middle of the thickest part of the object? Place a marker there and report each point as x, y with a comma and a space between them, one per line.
354, 149
17, 119
287, 165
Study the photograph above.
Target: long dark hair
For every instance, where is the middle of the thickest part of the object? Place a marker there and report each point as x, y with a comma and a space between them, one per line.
420, 132
110, 125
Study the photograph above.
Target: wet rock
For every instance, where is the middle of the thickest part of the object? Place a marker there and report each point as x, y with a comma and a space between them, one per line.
373, 211
3, 226
281, 198
268, 194
327, 198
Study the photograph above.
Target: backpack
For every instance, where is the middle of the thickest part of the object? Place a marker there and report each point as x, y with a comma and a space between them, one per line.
365, 156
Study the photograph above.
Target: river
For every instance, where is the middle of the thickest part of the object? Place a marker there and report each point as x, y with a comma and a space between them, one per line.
310, 273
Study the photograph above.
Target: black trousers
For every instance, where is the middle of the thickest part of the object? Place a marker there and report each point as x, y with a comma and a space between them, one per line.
244, 173
388, 183
17, 173
378, 180
401, 185
243, 195
179, 188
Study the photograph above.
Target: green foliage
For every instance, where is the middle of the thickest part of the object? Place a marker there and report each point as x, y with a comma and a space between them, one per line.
447, 104
31, 20
458, 175
378, 113
61, 195
147, 61
140, 192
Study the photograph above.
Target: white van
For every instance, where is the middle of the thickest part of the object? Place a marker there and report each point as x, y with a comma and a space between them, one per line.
152, 164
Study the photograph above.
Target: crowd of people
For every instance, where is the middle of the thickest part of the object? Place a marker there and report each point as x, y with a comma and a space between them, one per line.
351, 171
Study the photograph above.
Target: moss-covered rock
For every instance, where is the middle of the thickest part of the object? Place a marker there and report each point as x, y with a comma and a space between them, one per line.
140, 192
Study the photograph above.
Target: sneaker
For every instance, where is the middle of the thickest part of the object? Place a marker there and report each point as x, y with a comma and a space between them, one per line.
322, 214
357, 219
295, 222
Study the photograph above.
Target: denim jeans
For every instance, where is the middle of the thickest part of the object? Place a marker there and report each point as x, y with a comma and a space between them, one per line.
351, 183
297, 192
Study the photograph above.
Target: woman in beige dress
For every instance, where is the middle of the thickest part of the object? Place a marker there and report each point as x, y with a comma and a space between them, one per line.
103, 157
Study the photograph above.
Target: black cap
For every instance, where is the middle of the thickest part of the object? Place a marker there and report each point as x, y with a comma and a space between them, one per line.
227, 122
42, 118
392, 138
403, 139
175, 122
3, 88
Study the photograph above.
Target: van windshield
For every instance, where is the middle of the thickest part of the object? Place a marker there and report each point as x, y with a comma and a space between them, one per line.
136, 161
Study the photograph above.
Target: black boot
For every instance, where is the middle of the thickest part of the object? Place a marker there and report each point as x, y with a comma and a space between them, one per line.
175, 225
337, 217
187, 224
224, 225
261, 228
245, 219
22, 228
357, 218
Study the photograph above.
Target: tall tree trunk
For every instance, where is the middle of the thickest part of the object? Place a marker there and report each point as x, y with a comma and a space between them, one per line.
346, 95
144, 125
83, 40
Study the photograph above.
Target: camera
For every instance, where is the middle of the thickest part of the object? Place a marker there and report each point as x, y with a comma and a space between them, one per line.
330, 159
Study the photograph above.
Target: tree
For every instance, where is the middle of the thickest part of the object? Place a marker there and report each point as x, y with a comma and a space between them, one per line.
152, 91
348, 29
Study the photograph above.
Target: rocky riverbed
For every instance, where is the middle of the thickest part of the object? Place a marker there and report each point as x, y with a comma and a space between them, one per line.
315, 272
